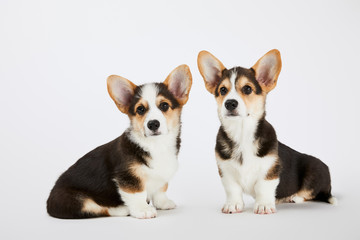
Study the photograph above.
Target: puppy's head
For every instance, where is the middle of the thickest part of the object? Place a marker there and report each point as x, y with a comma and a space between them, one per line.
154, 109
240, 92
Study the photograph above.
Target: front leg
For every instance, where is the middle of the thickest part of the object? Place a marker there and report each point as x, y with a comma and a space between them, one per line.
131, 183
234, 200
161, 201
265, 191
137, 204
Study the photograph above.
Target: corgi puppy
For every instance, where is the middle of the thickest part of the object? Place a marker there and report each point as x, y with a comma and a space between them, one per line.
121, 177
250, 159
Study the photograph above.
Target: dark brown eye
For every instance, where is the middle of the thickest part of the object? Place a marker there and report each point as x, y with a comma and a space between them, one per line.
140, 110
246, 90
164, 106
223, 90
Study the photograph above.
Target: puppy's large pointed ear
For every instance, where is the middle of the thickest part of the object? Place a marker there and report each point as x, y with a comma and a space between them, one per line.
179, 83
210, 69
267, 70
121, 91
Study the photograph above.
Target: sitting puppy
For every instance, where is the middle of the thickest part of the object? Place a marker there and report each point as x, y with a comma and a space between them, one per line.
250, 158
124, 175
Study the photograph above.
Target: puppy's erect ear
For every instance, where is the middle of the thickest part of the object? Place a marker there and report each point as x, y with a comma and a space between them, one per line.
210, 69
179, 83
121, 91
267, 70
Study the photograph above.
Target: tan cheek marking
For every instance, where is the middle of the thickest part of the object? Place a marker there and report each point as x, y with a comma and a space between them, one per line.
89, 206
219, 100
173, 117
254, 103
137, 122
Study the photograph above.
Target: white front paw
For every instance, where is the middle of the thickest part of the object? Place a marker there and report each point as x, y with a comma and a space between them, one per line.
233, 207
264, 208
165, 204
144, 212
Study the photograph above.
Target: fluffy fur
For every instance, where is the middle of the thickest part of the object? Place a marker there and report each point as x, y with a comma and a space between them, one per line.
122, 177
250, 158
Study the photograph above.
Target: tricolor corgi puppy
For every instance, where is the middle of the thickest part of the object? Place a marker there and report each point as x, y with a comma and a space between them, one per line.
250, 158
121, 177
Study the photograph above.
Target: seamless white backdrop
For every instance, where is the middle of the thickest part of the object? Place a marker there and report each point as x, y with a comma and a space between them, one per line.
54, 60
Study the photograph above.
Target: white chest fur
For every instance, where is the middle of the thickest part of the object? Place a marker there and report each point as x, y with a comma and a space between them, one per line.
252, 168
163, 162
246, 174
161, 169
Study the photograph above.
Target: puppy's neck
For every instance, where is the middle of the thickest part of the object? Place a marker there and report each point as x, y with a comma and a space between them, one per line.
241, 130
163, 143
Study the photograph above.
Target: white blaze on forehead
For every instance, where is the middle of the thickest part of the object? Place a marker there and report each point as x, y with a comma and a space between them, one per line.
233, 94
149, 93
233, 79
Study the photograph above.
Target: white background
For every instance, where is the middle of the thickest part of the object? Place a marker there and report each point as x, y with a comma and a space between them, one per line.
54, 60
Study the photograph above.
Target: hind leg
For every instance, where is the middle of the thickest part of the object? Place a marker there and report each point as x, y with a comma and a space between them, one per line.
297, 199
71, 204
317, 180
301, 196
91, 208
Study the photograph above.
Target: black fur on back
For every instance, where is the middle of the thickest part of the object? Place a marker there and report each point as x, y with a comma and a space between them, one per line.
297, 171
302, 172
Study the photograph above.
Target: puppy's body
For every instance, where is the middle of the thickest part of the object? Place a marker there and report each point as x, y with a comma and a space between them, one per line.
249, 157
301, 177
124, 175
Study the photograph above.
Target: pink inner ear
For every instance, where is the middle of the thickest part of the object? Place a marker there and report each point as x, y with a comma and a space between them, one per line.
123, 93
177, 85
212, 71
266, 70
126, 96
213, 77
264, 78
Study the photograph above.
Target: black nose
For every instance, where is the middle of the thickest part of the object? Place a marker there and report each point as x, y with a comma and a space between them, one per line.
153, 125
231, 104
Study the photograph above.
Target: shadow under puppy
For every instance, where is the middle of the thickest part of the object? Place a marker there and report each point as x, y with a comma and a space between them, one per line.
121, 177
250, 158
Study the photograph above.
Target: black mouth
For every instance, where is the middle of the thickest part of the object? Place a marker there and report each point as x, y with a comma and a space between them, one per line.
155, 134
231, 114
